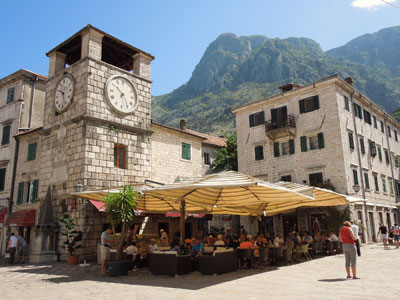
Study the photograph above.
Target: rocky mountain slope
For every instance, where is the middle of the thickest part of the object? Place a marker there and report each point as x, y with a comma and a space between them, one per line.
236, 70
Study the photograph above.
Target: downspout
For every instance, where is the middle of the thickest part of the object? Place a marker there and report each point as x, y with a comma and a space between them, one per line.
390, 156
360, 166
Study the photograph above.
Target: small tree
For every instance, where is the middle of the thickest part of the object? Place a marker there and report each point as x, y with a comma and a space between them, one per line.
120, 208
226, 158
72, 236
336, 218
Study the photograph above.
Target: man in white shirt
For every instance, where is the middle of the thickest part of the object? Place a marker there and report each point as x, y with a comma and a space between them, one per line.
12, 248
356, 229
153, 246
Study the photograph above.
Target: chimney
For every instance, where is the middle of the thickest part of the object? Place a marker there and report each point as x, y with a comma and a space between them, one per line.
182, 124
349, 80
289, 87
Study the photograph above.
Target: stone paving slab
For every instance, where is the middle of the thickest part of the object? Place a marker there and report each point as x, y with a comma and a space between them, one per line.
322, 278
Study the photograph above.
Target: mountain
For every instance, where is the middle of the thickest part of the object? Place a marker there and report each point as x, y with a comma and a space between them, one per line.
236, 70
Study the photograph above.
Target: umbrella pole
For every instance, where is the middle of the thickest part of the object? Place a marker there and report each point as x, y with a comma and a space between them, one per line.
182, 222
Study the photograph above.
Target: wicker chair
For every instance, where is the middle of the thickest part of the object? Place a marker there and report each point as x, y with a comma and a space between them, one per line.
218, 263
169, 263
245, 256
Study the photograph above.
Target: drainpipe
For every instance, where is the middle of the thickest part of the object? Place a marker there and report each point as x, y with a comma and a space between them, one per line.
360, 166
390, 157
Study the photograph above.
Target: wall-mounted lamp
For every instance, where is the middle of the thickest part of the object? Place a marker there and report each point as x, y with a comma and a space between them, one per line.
79, 187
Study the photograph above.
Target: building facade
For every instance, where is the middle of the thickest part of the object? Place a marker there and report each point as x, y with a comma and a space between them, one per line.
325, 134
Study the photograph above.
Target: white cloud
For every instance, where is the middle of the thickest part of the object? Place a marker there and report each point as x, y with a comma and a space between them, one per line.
370, 4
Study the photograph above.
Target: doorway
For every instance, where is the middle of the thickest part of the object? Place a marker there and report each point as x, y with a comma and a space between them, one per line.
289, 224
372, 225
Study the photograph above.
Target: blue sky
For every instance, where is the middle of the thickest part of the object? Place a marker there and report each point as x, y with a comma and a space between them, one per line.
178, 32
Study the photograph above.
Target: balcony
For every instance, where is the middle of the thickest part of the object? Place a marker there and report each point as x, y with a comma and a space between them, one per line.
281, 127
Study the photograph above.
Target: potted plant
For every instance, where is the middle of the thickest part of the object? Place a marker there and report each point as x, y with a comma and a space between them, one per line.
72, 238
120, 209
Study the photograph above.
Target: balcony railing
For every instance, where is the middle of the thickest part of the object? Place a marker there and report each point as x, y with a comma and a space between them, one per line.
290, 121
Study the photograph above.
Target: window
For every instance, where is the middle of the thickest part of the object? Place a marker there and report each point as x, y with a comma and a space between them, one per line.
186, 151
285, 148
346, 103
389, 132
366, 179
120, 156
397, 161
6, 135
379, 153
396, 138
256, 119
27, 192
367, 117
387, 158
303, 143
206, 157
276, 149
355, 177
32, 151
10, 94
316, 179
2, 178
382, 127
351, 141
309, 104
362, 145
259, 152
384, 185
357, 110
372, 148
287, 178
376, 182
315, 142
375, 122
391, 186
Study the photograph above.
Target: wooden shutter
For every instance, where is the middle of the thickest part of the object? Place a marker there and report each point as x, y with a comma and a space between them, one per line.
262, 117
346, 103
291, 146
351, 140
316, 102
32, 151
355, 177
303, 143
2, 178
380, 153
376, 183
186, 151
35, 186
10, 94
6, 135
387, 157
251, 120
366, 181
372, 149
20, 195
259, 152
302, 106
276, 149
321, 143
362, 146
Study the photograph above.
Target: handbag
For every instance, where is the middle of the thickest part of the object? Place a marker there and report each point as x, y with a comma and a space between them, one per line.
7, 255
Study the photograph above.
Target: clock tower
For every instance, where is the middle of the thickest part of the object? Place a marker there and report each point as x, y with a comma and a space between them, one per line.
97, 124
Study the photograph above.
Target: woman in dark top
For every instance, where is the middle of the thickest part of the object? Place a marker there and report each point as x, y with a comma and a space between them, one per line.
384, 232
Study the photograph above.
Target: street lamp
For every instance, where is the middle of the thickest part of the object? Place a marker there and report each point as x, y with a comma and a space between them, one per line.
79, 187
356, 188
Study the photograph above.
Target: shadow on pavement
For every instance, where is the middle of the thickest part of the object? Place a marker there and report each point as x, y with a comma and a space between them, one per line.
332, 280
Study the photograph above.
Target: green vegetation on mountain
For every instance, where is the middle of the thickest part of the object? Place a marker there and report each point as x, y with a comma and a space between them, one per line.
237, 70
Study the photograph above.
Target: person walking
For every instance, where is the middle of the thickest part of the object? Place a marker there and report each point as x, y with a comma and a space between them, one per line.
22, 244
396, 235
356, 230
384, 233
105, 245
348, 243
12, 248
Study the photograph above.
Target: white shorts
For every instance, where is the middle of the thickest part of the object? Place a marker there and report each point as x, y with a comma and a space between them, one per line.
384, 236
104, 252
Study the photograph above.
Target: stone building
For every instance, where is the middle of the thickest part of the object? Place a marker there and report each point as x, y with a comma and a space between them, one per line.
95, 132
21, 107
324, 134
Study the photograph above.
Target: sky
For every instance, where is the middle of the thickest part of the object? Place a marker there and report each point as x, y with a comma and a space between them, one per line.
177, 32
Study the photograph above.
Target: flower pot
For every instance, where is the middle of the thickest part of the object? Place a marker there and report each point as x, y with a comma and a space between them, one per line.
118, 268
73, 260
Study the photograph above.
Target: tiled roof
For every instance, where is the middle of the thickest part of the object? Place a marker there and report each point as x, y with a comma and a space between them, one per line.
209, 139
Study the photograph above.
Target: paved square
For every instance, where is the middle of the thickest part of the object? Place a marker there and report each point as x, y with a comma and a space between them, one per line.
321, 278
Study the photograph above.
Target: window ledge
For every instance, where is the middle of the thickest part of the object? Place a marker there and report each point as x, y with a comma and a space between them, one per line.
186, 160
377, 192
386, 194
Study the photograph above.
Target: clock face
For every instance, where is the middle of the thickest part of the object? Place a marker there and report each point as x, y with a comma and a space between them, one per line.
121, 94
64, 93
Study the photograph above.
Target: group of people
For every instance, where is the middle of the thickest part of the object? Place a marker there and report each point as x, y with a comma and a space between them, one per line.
393, 234
16, 248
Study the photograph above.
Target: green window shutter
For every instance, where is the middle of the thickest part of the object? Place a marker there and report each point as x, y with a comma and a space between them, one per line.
10, 94
346, 103
259, 152
387, 157
251, 120
20, 195
351, 140
366, 181
32, 151
321, 143
362, 146
6, 135
396, 161
376, 183
380, 153
372, 149
35, 185
186, 151
355, 177
303, 143
291, 146
276, 149
262, 117
316, 102
2, 178
302, 107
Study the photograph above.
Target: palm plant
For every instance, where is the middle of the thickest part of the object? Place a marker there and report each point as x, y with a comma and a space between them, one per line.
120, 209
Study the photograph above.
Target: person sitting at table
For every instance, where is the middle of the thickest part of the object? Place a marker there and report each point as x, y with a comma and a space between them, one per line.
220, 242
333, 237
317, 237
242, 238
175, 246
197, 248
208, 241
279, 241
261, 241
164, 241
187, 249
248, 243
307, 237
153, 246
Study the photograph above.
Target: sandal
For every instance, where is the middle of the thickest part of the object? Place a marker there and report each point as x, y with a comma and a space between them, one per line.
348, 277
356, 278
